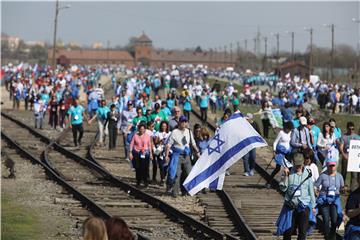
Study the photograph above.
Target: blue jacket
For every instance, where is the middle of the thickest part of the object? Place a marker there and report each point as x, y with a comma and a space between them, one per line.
323, 199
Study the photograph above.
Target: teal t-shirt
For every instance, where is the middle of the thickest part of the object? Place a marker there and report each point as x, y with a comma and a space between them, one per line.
102, 112
315, 131
157, 118
204, 101
187, 104
296, 123
170, 103
138, 119
76, 114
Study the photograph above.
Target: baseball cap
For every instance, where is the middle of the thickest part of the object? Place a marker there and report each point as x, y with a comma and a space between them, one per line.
331, 161
183, 119
129, 103
303, 120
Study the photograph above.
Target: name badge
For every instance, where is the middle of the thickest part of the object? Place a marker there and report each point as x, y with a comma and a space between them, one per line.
76, 117
142, 156
297, 193
331, 191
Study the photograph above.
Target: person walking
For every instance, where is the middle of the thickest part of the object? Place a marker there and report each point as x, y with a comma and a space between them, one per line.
101, 115
204, 104
124, 124
160, 140
141, 154
329, 185
344, 150
38, 112
76, 113
352, 229
180, 142
250, 157
265, 112
282, 151
112, 119
299, 201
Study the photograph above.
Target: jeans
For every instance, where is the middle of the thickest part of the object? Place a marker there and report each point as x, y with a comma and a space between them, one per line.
301, 221
329, 213
103, 130
249, 160
184, 165
38, 121
53, 119
126, 145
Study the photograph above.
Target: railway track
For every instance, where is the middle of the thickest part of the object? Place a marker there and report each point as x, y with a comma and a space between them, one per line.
258, 206
106, 195
219, 211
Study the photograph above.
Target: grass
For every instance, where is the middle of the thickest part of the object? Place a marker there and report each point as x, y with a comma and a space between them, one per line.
17, 222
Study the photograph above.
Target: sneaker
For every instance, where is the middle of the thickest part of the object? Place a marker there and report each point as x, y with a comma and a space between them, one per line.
246, 174
227, 173
252, 172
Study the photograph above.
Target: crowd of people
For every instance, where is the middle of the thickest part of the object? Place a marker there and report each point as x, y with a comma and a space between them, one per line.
150, 108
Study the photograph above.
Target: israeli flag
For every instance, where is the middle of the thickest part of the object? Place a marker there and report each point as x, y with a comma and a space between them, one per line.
231, 142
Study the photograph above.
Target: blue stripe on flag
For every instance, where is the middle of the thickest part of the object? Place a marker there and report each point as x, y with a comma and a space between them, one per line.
221, 161
214, 184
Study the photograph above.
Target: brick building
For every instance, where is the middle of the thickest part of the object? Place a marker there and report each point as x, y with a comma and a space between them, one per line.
144, 54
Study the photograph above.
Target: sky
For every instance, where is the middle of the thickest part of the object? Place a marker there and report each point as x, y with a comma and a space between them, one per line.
182, 25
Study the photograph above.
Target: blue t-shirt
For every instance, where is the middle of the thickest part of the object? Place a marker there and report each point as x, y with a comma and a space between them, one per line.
170, 103
187, 104
315, 131
102, 112
337, 132
45, 98
204, 101
296, 123
76, 114
166, 110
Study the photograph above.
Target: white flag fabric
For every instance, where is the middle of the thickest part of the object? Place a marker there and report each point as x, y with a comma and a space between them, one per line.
231, 142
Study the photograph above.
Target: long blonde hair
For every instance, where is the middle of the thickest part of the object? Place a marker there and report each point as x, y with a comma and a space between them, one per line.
94, 229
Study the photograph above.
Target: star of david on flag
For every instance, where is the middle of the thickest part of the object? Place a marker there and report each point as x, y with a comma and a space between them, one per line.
218, 144
235, 138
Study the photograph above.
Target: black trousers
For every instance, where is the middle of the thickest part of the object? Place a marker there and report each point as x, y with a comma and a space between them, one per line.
266, 126
53, 119
112, 136
300, 221
75, 129
141, 166
187, 114
203, 112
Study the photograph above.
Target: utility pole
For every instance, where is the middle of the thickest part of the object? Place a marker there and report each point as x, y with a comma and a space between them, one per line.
245, 45
231, 54
225, 55
238, 50
292, 46
255, 42
265, 54
310, 30
55, 29
332, 53
277, 35
57, 9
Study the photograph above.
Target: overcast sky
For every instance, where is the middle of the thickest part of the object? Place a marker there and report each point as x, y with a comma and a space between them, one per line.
184, 24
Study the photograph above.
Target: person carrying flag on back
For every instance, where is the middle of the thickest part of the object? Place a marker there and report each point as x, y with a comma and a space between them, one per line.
233, 139
180, 142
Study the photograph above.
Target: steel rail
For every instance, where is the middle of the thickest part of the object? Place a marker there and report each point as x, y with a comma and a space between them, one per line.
156, 203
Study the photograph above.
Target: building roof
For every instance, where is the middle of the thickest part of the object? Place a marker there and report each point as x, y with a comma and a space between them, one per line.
191, 56
94, 54
143, 38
